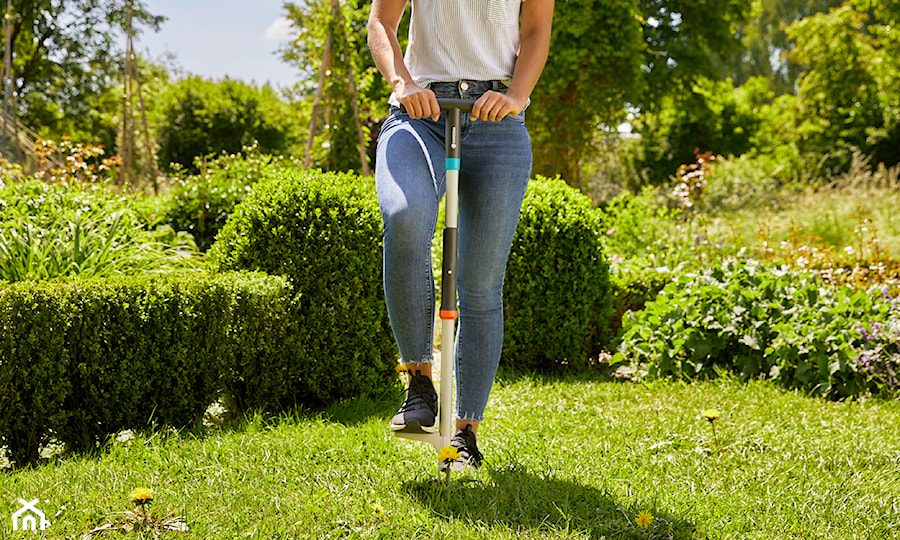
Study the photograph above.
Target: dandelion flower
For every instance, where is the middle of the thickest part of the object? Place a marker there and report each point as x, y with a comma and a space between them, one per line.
643, 519
141, 495
448, 453
712, 415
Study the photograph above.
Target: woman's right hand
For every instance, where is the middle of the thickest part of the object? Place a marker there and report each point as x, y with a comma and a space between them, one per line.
419, 102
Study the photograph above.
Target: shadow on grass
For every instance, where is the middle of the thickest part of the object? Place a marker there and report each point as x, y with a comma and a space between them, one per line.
512, 498
362, 409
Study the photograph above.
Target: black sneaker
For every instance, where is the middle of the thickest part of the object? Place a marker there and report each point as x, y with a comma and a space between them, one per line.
419, 412
469, 456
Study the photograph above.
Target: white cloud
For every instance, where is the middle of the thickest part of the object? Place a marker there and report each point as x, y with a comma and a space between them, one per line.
282, 29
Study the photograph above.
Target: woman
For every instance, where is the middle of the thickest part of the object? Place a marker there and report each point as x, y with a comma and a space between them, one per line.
490, 52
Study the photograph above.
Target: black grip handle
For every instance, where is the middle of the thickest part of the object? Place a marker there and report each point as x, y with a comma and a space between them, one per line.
463, 105
448, 104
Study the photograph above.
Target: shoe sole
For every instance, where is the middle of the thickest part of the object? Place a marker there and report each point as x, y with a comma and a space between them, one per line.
413, 427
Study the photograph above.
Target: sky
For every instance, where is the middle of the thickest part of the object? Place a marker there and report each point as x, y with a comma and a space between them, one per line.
218, 38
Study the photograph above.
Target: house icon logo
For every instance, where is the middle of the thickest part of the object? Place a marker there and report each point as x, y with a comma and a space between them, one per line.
29, 517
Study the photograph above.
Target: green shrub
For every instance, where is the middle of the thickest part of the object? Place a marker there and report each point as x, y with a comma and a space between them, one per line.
632, 289
49, 231
643, 235
196, 117
261, 368
633, 222
879, 353
322, 231
557, 300
748, 181
82, 359
755, 321
201, 204
34, 368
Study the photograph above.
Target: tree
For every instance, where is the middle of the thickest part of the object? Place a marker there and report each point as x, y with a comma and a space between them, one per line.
847, 99
336, 146
886, 71
687, 40
715, 116
609, 56
196, 117
593, 71
606, 57
766, 43
66, 63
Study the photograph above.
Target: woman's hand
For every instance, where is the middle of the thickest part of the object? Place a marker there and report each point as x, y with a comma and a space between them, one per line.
419, 102
495, 106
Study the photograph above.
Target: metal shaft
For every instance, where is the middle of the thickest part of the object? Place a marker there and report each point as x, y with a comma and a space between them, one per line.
448, 310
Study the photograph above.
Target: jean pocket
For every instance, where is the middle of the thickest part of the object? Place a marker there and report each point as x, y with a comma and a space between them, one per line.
520, 118
503, 12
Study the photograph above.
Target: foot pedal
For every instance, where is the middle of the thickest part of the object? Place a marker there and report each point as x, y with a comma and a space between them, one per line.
414, 427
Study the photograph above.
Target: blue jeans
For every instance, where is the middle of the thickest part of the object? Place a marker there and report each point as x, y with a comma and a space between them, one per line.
409, 179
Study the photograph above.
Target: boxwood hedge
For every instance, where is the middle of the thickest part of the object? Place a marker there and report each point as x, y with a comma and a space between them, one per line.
82, 359
557, 296
323, 232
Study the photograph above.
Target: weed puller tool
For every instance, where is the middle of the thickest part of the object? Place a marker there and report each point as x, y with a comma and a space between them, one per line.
448, 310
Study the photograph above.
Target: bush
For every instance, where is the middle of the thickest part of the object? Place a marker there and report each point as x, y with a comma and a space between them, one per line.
49, 231
713, 116
634, 223
82, 359
744, 182
201, 204
557, 298
878, 355
196, 117
632, 289
643, 236
322, 231
755, 321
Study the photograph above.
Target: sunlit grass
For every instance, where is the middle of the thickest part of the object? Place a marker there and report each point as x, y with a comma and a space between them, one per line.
829, 217
567, 458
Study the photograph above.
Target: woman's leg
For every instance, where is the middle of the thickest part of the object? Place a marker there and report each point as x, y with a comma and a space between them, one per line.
496, 166
409, 186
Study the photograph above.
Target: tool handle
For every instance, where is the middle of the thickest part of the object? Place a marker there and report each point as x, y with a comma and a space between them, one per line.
448, 104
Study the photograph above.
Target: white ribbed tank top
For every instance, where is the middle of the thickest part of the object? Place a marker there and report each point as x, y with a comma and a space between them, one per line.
451, 40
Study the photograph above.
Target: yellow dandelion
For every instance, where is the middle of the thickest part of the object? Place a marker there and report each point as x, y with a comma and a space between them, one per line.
643, 519
141, 495
448, 454
712, 415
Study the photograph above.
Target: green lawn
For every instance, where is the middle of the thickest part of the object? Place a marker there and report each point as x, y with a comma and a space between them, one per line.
568, 458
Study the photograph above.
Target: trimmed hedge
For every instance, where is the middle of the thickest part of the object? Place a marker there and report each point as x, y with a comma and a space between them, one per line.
557, 295
83, 359
323, 232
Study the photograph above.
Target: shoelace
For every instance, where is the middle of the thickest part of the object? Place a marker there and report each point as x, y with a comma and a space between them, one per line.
464, 441
420, 394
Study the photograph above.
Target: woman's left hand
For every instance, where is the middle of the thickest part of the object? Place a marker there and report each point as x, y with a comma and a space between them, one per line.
495, 106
